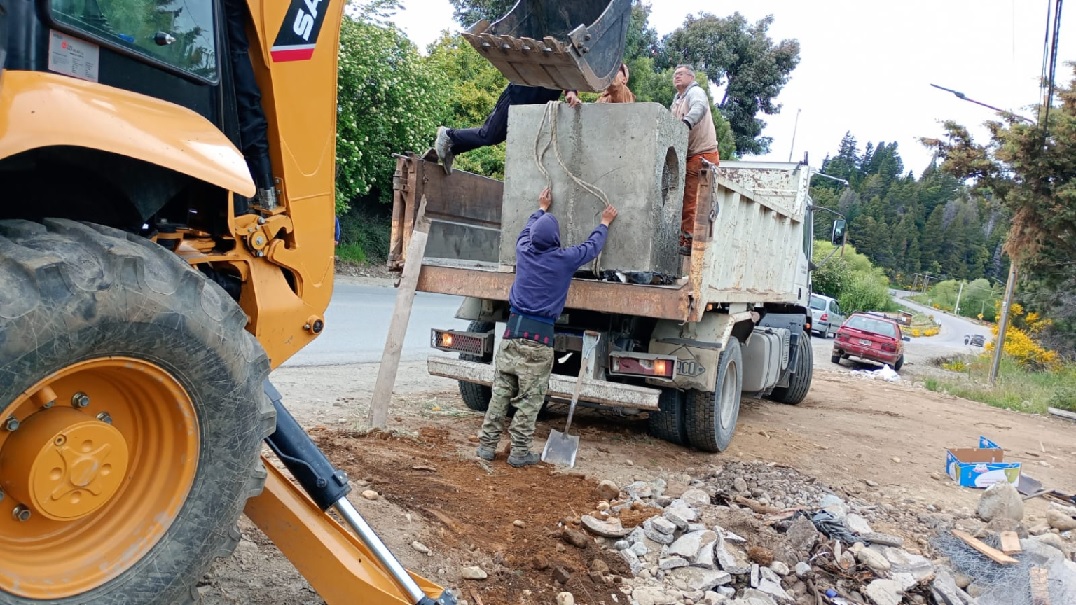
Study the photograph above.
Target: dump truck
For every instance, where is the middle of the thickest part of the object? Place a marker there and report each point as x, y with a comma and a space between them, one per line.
166, 216
681, 337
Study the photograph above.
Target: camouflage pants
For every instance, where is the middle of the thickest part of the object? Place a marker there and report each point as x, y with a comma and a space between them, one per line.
522, 379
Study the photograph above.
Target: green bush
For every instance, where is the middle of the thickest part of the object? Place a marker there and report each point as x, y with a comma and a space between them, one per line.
364, 237
851, 279
978, 297
1064, 398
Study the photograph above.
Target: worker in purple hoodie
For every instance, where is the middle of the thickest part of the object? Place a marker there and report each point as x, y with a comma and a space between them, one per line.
525, 358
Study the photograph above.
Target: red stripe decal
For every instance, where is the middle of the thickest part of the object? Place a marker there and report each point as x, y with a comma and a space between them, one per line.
295, 53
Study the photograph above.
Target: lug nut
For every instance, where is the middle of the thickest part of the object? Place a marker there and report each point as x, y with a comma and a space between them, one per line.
80, 400
11, 424
105, 418
21, 513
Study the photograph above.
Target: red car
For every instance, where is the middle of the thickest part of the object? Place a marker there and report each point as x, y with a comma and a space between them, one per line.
870, 337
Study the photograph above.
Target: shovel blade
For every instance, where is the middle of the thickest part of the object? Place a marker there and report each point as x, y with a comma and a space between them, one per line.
560, 449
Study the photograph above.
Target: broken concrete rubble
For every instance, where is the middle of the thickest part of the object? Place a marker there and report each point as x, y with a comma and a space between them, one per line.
605, 529
1059, 520
1001, 500
686, 552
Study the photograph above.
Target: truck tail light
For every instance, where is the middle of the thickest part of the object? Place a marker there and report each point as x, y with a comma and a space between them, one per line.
473, 343
641, 364
662, 367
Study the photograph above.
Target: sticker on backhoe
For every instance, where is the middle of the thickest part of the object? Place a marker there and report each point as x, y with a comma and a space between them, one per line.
73, 57
298, 34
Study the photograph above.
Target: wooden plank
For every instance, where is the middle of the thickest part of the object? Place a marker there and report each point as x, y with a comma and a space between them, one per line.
1063, 413
1010, 542
405, 297
992, 553
661, 302
613, 394
1040, 586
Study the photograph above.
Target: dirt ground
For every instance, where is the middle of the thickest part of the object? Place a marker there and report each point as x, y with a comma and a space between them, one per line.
848, 431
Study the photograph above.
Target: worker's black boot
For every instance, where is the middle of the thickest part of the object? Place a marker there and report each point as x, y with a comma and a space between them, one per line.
527, 459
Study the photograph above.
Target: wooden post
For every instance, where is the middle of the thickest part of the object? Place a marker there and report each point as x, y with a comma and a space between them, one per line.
1003, 322
401, 314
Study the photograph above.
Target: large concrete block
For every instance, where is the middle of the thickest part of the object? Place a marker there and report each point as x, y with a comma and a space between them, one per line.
633, 152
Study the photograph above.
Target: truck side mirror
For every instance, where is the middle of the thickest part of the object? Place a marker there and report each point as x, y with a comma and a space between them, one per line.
839, 226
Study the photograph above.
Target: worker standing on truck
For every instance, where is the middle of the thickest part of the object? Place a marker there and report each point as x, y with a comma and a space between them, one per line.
452, 142
692, 107
525, 357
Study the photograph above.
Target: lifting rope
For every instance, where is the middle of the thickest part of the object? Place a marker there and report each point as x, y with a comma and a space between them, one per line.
550, 118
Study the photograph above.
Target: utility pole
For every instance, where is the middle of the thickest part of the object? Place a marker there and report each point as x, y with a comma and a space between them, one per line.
956, 309
1003, 323
795, 127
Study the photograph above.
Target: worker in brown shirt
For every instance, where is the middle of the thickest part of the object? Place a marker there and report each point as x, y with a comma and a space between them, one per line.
692, 107
618, 91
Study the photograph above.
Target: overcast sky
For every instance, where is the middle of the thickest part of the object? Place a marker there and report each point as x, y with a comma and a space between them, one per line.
866, 66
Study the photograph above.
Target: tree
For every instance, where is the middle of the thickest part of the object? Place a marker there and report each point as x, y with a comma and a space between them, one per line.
469, 12
389, 101
1030, 169
741, 57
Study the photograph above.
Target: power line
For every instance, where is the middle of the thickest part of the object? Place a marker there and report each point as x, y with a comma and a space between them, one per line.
1056, 33
965, 97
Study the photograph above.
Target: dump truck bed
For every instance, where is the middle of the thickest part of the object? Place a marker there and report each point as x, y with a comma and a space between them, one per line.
749, 244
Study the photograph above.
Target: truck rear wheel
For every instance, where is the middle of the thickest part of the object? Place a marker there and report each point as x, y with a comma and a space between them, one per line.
132, 398
711, 417
477, 396
800, 382
669, 423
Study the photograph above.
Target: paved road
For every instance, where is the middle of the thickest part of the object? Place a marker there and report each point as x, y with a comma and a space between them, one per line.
953, 328
357, 324
949, 341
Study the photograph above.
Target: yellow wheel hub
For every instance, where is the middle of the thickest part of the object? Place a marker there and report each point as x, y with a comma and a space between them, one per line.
65, 464
96, 461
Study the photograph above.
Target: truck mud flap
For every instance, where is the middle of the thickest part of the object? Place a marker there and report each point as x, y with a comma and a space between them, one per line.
602, 392
576, 45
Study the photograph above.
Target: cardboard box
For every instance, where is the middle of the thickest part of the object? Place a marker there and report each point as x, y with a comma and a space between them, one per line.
982, 466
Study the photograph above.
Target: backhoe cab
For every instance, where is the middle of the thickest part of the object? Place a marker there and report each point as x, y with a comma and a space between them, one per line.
166, 210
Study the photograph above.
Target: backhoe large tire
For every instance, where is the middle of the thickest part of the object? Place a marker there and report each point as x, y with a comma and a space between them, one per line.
128, 365
711, 416
800, 382
477, 396
669, 423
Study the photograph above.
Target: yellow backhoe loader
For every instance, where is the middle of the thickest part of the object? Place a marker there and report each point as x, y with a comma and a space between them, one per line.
166, 217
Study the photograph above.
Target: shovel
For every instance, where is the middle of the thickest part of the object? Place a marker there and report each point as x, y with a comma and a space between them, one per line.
561, 448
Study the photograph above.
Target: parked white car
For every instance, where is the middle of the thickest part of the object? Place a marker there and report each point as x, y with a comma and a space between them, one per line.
826, 316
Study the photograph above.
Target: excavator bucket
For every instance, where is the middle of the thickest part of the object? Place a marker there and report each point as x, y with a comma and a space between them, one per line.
575, 45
